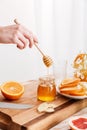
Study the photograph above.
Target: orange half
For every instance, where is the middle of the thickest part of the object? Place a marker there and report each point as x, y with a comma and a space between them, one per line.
12, 90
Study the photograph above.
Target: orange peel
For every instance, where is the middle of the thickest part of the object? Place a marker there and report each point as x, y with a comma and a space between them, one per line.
80, 66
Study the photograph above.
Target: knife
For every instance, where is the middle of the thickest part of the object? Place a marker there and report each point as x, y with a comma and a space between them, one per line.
15, 105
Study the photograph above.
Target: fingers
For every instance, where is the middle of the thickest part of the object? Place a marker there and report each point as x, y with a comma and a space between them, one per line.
31, 41
31, 38
23, 40
24, 35
20, 40
20, 44
35, 38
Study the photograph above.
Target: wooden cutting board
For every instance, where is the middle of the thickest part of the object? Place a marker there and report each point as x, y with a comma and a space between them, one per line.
30, 119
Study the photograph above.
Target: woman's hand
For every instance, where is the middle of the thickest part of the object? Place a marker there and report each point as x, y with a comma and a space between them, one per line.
17, 34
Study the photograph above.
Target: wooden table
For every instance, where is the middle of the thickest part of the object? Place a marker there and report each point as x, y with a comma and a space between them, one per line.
31, 119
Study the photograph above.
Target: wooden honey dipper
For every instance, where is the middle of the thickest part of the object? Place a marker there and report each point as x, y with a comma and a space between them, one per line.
46, 59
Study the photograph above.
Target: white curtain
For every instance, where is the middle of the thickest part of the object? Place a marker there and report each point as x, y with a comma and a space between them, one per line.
60, 25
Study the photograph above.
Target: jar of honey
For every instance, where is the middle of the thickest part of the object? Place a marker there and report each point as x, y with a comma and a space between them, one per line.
46, 90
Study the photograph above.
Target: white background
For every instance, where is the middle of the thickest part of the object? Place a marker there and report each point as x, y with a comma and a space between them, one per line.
60, 25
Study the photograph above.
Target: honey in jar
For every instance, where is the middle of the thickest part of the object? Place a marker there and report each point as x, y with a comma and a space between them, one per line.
46, 88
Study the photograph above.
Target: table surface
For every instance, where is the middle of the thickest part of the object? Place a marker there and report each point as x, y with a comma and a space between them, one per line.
64, 124
60, 126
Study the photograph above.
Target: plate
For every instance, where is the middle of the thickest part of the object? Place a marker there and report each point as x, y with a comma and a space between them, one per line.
71, 96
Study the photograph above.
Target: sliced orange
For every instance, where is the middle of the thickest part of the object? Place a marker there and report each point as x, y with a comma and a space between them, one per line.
79, 60
70, 82
82, 76
73, 91
12, 90
79, 56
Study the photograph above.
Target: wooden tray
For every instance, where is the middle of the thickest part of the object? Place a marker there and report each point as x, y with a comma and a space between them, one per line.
30, 119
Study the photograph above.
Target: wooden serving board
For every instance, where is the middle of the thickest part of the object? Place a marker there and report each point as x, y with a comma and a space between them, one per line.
30, 119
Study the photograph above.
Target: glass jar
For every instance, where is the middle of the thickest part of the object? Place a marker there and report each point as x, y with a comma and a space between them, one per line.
46, 90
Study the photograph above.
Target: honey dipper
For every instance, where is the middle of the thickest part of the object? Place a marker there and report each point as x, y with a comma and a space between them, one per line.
46, 59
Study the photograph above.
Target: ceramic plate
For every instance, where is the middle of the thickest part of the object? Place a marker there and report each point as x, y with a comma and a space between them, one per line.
70, 96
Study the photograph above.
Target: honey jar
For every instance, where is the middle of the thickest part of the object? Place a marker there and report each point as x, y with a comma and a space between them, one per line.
46, 90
